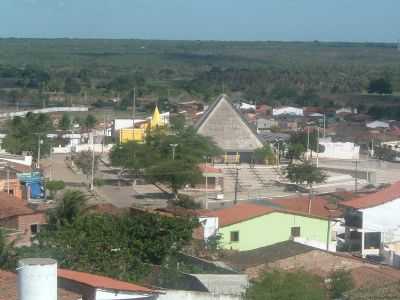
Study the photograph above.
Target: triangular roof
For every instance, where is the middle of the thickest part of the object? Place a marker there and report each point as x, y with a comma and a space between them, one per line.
227, 127
156, 119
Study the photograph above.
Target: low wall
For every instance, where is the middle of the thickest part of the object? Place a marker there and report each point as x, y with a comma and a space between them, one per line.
192, 295
44, 111
98, 148
360, 174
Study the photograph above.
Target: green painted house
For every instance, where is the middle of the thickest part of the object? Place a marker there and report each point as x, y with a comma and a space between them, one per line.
249, 226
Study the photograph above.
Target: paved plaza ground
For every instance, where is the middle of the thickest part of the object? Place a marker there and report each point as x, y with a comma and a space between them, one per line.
253, 182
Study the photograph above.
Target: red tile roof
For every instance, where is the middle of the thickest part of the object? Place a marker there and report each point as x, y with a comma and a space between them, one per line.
238, 213
320, 207
8, 288
101, 282
11, 206
209, 169
383, 196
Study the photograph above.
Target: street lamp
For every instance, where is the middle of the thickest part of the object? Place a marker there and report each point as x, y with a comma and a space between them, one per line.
277, 142
173, 146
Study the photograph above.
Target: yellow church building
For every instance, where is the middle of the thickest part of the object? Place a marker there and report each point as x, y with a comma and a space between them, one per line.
138, 134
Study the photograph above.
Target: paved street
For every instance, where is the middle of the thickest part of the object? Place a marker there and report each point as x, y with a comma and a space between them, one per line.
119, 193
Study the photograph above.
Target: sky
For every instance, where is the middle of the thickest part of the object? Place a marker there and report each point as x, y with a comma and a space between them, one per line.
279, 20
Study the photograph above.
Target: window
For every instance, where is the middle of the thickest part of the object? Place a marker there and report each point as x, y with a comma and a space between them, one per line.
234, 236
372, 240
34, 228
295, 231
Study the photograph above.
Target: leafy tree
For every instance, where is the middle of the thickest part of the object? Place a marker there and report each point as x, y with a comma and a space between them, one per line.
6, 250
116, 246
283, 91
131, 156
264, 154
281, 285
295, 151
305, 173
84, 161
178, 123
126, 82
154, 157
175, 173
72, 86
341, 282
380, 86
384, 153
68, 209
25, 133
54, 186
90, 121
65, 122
302, 138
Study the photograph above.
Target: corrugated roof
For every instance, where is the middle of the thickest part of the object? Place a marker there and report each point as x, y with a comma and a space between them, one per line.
320, 206
11, 206
238, 213
101, 282
381, 197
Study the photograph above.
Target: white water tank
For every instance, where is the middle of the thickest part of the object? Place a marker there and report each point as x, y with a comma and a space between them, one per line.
37, 279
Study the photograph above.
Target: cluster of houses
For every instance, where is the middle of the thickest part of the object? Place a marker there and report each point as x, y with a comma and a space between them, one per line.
356, 231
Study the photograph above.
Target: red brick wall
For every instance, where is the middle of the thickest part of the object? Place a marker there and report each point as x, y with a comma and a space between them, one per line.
15, 187
24, 226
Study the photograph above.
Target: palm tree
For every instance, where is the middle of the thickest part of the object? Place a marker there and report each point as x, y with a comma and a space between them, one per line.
68, 208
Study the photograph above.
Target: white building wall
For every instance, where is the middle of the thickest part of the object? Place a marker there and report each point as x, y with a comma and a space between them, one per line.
384, 218
339, 150
293, 111
44, 111
125, 123
119, 295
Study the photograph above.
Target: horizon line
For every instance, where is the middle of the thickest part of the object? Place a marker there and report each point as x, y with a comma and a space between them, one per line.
199, 40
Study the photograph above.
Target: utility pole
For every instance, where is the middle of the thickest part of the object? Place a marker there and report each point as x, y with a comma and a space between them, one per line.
236, 185
356, 177
51, 162
308, 142
38, 154
8, 179
317, 146
324, 125
134, 105
93, 158
328, 234
104, 134
206, 204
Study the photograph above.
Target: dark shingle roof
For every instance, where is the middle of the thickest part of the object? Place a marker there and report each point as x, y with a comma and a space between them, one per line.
246, 259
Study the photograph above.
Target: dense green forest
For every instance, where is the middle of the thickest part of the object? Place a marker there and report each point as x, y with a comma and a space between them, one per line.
94, 71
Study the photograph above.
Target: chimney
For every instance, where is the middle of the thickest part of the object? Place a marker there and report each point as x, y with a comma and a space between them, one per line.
37, 279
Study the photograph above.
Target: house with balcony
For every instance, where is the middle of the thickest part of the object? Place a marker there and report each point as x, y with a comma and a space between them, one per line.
372, 220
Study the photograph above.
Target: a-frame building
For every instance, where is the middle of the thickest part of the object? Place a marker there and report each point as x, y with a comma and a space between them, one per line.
229, 130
